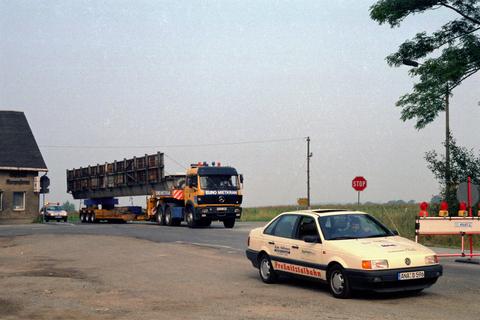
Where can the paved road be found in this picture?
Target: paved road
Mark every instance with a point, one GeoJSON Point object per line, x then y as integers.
{"type": "Point", "coordinates": [215, 236]}
{"type": "Point", "coordinates": [459, 279]}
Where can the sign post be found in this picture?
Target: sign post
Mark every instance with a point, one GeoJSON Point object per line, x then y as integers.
{"type": "Point", "coordinates": [359, 183]}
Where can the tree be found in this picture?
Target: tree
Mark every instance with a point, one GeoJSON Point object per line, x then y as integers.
{"type": "Point", "coordinates": [68, 206]}
{"type": "Point", "coordinates": [463, 164]}
{"type": "Point", "coordinates": [450, 55]}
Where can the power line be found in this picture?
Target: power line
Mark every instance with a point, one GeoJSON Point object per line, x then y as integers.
{"type": "Point", "coordinates": [173, 145]}
{"type": "Point", "coordinates": [175, 161]}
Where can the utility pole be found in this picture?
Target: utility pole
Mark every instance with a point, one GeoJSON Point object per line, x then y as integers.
{"type": "Point", "coordinates": [309, 155]}
{"type": "Point", "coordinates": [447, 143]}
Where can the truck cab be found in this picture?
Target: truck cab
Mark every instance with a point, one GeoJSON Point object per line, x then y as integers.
{"type": "Point", "coordinates": [212, 193]}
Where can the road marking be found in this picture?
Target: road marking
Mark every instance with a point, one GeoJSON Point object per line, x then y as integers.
{"type": "Point", "coordinates": [208, 245]}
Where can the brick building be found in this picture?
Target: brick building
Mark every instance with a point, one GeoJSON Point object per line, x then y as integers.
{"type": "Point", "coordinates": [20, 165]}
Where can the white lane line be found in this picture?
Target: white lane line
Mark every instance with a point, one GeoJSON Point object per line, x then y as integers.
{"type": "Point", "coordinates": [208, 245]}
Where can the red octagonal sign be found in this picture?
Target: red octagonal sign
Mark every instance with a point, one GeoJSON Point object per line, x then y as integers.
{"type": "Point", "coordinates": [359, 183]}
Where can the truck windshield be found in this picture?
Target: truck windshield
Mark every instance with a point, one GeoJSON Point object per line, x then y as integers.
{"type": "Point", "coordinates": [215, 182]}
{"type": "Point", "coordinates": [352, 226]}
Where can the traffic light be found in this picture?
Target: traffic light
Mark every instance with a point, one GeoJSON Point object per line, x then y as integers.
{"type": "Point", "coordinates": [44, 184]}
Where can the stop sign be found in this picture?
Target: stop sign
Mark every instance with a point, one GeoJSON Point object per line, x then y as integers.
{"type": "Point", "coordinates": [359, 183]}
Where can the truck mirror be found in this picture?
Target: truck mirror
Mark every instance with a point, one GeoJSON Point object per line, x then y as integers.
{"type": "Point", "coordinates": [241, 178]}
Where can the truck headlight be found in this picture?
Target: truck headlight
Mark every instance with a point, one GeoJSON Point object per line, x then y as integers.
{"type": "Point", "coordinates": [237, 210]}
{"type": "Point", "coordinates": [431, 259]}
{"type": "Point", "coordinates": [205, 210]}
{"type": "Point", "coordinates": [375, 264]}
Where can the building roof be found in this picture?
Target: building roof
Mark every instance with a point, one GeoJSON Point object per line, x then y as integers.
{"type": "Point", "coordinates": [18, 148]}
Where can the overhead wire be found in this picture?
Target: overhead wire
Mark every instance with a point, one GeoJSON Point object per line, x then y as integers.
{"type": "Point", "coordinates": [171, 146]}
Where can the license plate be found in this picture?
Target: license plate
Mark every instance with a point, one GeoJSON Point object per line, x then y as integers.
{"type": "Point", "coordinates": [411, 275]}
{"type": "Point", "coordinates": [221, 209]}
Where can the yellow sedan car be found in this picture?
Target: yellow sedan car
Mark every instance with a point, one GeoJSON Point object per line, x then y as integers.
{"type": "Point", "coordinates": [349, 250]}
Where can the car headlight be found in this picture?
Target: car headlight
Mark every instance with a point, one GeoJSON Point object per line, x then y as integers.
{"type": "Point", "coordinates": [375, 264]}
{"type": "Point", "coordinates": [431, 259]}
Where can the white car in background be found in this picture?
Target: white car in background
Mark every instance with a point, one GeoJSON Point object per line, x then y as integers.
{"type": "Point", "coordinates": [53, 211]}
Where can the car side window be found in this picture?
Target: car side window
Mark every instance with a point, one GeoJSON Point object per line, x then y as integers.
{"type": "Point", "coordinates": [307, 227]}
{"type": "Point", "coordinates": [285, 226]}
{"type": "Point", "coordinates": [271, 227]}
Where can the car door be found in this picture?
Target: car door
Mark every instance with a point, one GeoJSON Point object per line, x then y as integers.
{"type": "Point", "coordinates": [309, 253]}
{"type": "Point", "coordinates": [279, 237]}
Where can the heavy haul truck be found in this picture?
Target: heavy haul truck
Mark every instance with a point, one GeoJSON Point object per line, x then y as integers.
{"type": "Point", "coordinates": [205, 193]}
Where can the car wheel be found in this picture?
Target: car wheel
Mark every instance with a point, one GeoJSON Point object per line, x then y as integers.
{"type": "Point", "coordinates": [338, 282]}
{"type": "Point", "coordinates": [229, 223]}
{"type": "Point", "coordinates": [46, 219]}
{"type": "Point", "coordinates": [168, 217]}
{"type": "Point", "coordinates": [190, 219]}
{"type": "Point", "coordinates": [265, 269]}
{"type": "Point", "coordinates": [65, 219]}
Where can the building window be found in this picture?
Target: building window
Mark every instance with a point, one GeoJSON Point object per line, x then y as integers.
{"type": "Point", "coordinates": [19, 201]}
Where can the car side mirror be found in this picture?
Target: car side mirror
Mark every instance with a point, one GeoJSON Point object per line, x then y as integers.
{"type": "Point", "coordinates": [395, 232]}
{"type": "Point", "coordinates": [311, 239]}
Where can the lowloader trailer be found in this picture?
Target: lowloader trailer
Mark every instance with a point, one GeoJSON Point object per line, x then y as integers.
{"type": "Point", "coordinates": [203, 194]}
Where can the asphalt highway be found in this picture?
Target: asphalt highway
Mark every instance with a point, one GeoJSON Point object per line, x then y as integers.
{"type": "Point", "coordinates": [459, 279]}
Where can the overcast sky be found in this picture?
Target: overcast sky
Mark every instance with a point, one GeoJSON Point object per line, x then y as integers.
{"type": "Point", "coordinates": [161, 74]}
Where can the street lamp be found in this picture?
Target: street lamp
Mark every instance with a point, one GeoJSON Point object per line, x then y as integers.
{"type": "Point", "coordinates": [415, 64]}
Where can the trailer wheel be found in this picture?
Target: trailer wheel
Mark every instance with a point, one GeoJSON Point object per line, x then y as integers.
{"type": "Point", "coordinates": [229, 223]}
{"type": "Point", "coordinates": [190, 218]}
{"type": "Point", "coordinates": [168, 217]}
{"type": "Point", "coordinates": [160, 216]}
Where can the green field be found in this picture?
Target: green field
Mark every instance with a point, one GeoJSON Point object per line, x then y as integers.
{"type": "Point", "coordinates": [398, 217]}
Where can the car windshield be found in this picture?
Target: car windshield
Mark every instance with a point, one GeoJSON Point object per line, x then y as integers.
{"type": "Point", "coordinates": [54, 208]}
{"type": "Point", "coordinates": [352, 226]}
{"type": "Point", "coordinates": [225, 182]}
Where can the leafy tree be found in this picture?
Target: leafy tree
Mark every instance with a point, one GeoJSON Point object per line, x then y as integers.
{"type": "Point", "coordinates": [464, 163]}
{"type": "Point", "coordinates": [450, 54]}
{"type": "Point", "coordinates": [68, 206]}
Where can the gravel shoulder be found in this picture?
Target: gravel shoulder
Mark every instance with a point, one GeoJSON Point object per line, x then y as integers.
{"type": "Point", "coordinates": [110, 277]}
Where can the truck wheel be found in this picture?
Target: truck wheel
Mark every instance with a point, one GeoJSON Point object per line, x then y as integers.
{"type": "Point", "coordinates": [190, 219]}
{"type": "Point", "coordinates": [229, 223]}
{"type": "Point", "coordinates": [160, 216]}
{"type": "Point", "coordinates": [265, 269]}
{"type": "Point", "coordinates": [168, 217]}
{"type": "Point", "coordinates": [207, 222]}
{"type": "Point", "coordinates": [338, 282]}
